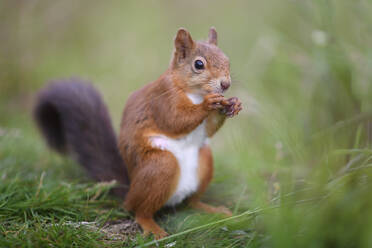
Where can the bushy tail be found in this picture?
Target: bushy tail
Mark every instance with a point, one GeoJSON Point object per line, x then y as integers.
{"type": "Point", "coordinates": [74, 121]}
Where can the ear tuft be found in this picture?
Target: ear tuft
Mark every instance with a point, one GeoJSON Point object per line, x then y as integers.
{"type": "Point", "coordinates": [212, 36]}
{"type": "Point", "coordinates": [183, 43]}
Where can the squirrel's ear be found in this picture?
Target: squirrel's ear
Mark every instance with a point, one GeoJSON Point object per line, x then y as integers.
{"type": "Point", "coordinates": [212, 36]}
{"type": "Point", "coordinates": [183, 43]}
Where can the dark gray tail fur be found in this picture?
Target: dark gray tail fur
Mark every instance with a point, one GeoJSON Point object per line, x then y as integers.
{"type": "Point", "coordinates": [74, 120]}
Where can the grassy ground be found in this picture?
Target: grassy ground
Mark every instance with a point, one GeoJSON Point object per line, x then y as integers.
{"type": "Point", "coordinates": [294, 166]}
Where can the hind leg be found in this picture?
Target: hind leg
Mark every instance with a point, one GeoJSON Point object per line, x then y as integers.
{"type": "Point", "coordinates": [150, 189]}
{"type": "Point", "coordinates": [205, 173]}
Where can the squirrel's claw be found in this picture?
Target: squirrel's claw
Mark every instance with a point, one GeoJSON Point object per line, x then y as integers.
{"type": "Point", "coordinates": [232, 107]}
{"type": "Point", "coordinates": [213, 101]}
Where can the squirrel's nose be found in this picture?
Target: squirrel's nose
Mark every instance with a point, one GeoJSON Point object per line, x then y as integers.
{"type": "Point", "coordinates": [225, 85]}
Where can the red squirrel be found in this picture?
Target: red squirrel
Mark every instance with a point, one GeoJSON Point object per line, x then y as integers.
{"type": "Point", "coordinates": [162, 156]}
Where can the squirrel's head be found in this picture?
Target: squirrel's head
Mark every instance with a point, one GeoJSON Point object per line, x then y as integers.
{"type": "Point", "coordinates": [200, 67]}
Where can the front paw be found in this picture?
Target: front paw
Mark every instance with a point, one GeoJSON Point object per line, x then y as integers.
{"type": "Point", "coordinates": [232, 107]}
{"type": "Point", "coordinates": [213, 102]}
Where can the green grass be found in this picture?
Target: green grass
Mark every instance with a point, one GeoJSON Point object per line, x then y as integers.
{"type": "Point", "coordinates": [37, 202]}
{"type": "Point", "coordinates": [294, 166]}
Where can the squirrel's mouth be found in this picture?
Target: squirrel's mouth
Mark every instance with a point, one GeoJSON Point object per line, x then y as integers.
{"type": "Point", "coordinates": [215, 88]}
{"type": "Point", "coordinates": [217, 91]}
{"type": "Point", "coordinates": [220, 88]}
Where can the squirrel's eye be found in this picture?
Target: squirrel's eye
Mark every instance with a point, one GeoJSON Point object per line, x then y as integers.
{"type": "Point", "coordinates": [199, 64]}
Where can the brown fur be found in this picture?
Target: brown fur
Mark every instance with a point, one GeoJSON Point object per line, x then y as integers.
{"type": "Point", "coordinates": [205, 173]}
{"type": "Point", "coordinates": [162, 107]}
{"type": "Point", "coordinates": [214, 121]}
{"type": "Point", "coordinates": [79, 124]}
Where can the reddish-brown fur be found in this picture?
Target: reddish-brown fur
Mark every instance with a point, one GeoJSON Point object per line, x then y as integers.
{"type": "Point", "coordinates": [162, 107]}
{"type": "Point", "coordinates": [74, 120]}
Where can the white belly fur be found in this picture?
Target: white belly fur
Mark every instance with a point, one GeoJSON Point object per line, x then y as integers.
{"type": "Point", "coordinates": [186, 151]}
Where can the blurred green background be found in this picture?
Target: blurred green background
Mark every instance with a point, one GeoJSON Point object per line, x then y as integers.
{"type": "Point", "coordinates": [303, 70]}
